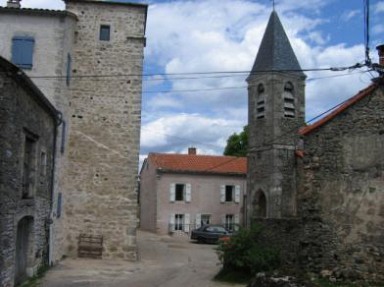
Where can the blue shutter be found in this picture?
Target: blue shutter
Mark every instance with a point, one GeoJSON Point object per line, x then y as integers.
{"type": "Point", "coordinates": [22, 51]}
{"type": "Point", "coordinates": [69, 67]}
{"type": "Point", "coordinates": [59, 202]}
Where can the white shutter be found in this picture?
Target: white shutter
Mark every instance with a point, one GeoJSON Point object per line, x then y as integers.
{"type": "Point", "coordinates": [222, 193]}
{"type": "Point", "coordinates": [198, 220]}
{"type": "Point", "coordinates": [187, 221]}
{"type": "Point", "coordinates": [188, 190]}
{"type": "Point", "coordinates": [237, 193]}
{"type": "Point", "coordinates": [172, 192]}
{"type": "Point", "coordinates": [172, 222]}
{"type": "Point", "coordinates": [237, 222]}
{"type": "Point", "coordinates": [223, 220]}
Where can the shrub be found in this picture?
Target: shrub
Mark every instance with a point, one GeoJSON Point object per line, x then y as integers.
{"type": "Point", "coordinates": [243, 253]}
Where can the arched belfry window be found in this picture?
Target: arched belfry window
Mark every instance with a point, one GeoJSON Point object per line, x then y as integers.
{"type": "Point", "coordinates": [289, 100]}
{"type": "Point", "coordinates": [260, 102]}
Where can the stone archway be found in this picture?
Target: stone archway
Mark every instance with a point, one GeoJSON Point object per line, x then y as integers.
{"type": "Point", "coordinates": [260, 204]}
{"type": "Point", "coordinates": [24, 248]}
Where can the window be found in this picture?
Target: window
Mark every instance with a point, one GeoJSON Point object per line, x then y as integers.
{"type": "Point", "coordinates": [179, 195]}
{"type": "Point", "coordinates": [180, 192]}
{"type": "Point", "coordinates": [289, 100]}
{"type": "Point", "coordinates": [22, 52]}
{"type": "Point", "coordinates": [105, 33]}
{"type": "Point", "coordinates": [260, 102]}
{"type": "Point", "coordinates": [230, 193]}
{"type": "Point", "coordinates": [179, 221]}
{"type": "Point", "coordinates": [205, 219]}
{"type": "Point", "coordinates": [229, 221]}
{"type": "Point", "coordinates": [28, 168]}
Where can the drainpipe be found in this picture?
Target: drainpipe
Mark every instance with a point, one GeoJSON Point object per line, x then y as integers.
{"type": "Point", "coordinates": [58, 122]}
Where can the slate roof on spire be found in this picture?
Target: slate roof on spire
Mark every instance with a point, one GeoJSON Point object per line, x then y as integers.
{"type": "Point", "coordinates": [275, 52]}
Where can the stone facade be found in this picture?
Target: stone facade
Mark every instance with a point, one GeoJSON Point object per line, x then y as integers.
{"type": "Point", "coordinates": [53, 33]}
{"type": "Point", "coordinates": [27, 140]}
{"type": "Point", "coordinates": [316, 191]}
{"type": "Point", "coordinates": [96, 86]}
{"type": "Point", "coordinates": [103, 153]}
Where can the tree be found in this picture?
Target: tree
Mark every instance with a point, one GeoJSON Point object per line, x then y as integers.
{"type": "Point", "coordinates": [237, 144]}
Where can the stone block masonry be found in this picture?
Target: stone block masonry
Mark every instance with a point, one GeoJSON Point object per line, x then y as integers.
{"type": "Point", "coordinates": [105, 126]}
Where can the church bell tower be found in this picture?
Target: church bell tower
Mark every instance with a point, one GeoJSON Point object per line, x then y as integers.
{"type": "Point", "coordinates": [276, 106]}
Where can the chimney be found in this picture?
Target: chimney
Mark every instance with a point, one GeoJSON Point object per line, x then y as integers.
{"type": "Point", "coordinates": [380, 49]}
{"type": "Point", "coordinates": [13, 4]}
{"type": "Point", "coordinates": [192, 151]}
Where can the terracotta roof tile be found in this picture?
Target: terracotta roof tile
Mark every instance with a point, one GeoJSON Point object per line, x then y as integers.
{"type": "Point", "coordinates": [199, 163]}
{"type": "Point", "coordinates": [362, 94]}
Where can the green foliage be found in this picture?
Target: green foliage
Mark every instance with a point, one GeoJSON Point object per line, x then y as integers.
{"type": "Point", "coordinates": [237, 144]}
{"type": "Point", "coordinates": [243, 254]}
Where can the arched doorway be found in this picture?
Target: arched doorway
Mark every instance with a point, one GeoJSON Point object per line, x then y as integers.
{"type": "Point", "coordinates": [260, 204]}
{"type": "Point", "coordinates": [24, 248]}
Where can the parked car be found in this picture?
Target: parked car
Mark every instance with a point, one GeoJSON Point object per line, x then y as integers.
{"type": "Point", "coordinates": [210, 233]}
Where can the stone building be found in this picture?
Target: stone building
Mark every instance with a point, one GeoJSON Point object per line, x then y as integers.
{"type": "Point", "coordinates": [180, 192]}
{"type": "Point", "coordinates": [28, 124]}
{"type": "Point", "coordinates": [317, 189]}
{"type": "Point", "coordinates": [87, 61]}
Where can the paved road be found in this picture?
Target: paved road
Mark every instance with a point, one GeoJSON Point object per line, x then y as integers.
{"type": "Point", "coordinates": [164, 262]}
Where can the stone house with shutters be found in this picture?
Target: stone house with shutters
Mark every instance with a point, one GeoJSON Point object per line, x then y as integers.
{"type": "Point", "coordinates": [317, 189]}
{"type": "Point", "coordinates": [180, 192]}
{"type": "Point", "coordinates": [97, 147]}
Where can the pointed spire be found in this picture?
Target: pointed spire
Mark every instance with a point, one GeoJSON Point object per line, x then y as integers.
{"type": "Point", "coordinates": [275, 52]}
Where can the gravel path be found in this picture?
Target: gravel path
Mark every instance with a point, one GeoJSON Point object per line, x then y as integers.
{"type": "Point", "coordinates": [164, 262]}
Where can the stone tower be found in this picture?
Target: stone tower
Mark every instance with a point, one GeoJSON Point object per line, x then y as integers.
{"type": "Point", "coordinates": [105, 112]}
{"type": "Point", "coordinates": [276, 111]}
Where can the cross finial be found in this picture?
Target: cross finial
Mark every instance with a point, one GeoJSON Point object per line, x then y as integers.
{"type": "Point", "coordinates": [273, 4]}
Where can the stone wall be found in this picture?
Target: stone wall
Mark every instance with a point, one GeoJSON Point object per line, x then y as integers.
{"type": "Point", "coordinates": [24, 117]}
{"type": "Point", "coordinates": [105, 126]}
{"type": "Point", "coordinates": [53, 32]}
{"type": "Point", "coordinates": [342, 182]}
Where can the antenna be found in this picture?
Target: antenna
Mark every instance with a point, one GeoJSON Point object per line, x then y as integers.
{"type": "Point", "coordinates": [368, 61]}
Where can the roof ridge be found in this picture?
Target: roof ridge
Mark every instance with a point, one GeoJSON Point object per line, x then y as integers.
{"type": "Point", "coordinates": [351, 101]}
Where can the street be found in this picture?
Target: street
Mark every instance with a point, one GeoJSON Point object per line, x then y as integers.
{"type": "Point", "coordinates": [164, 262]}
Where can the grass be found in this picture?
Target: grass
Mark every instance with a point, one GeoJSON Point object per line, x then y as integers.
{"type": "Point", "coordinates": [35, 280]}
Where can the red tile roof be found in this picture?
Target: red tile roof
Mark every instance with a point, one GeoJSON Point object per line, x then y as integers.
{"type": "Point", "coordinates": [362, 94]}
{"type": "Point", "coordinates": [199, 163]}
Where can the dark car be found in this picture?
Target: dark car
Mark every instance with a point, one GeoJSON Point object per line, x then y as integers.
{"type": "Point", "coordinates": [209, 233]}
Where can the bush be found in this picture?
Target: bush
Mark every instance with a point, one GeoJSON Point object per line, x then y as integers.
{"type": "Point", "coordinates": [243, 253]}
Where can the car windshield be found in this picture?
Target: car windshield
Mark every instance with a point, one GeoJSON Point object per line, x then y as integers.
{"type": "Point", "coordinates": [216, 229]}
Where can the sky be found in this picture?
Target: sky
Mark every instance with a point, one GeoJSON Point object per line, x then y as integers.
{"type": "Point", "coordinates": [199, 54]}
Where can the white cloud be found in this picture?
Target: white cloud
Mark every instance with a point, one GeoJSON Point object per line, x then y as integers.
{"type": "Point", "coordinates": [45, 4]}
{"type": "Point", "coordinates": [178, 132]}
{"type": "Point", "coordinates": [348, 15]}
{"type": "Point", "coordinates": [379, 8]}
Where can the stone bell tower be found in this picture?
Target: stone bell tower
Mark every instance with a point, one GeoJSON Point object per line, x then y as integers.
{"type": "Point", "coordinates": [276, 110]}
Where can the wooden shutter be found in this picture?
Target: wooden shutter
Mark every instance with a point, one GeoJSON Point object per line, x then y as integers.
{"type": "Point", "coordinates": [187, 222]}
{"type": "Point", "coordinates": [188, 190]}
{"type": "Point", "coordinates": [198, 220]}
{"type": "Point", "coordinates": [172, 192]}
{"type": "Point", "coordinates": [172, 222]}
{"type": "Point", "coordinates": [237, 193]}
{"type": "Point", "coordinates": [222, 193]}
{"type": "Point", "coordinates": [22, 51]}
